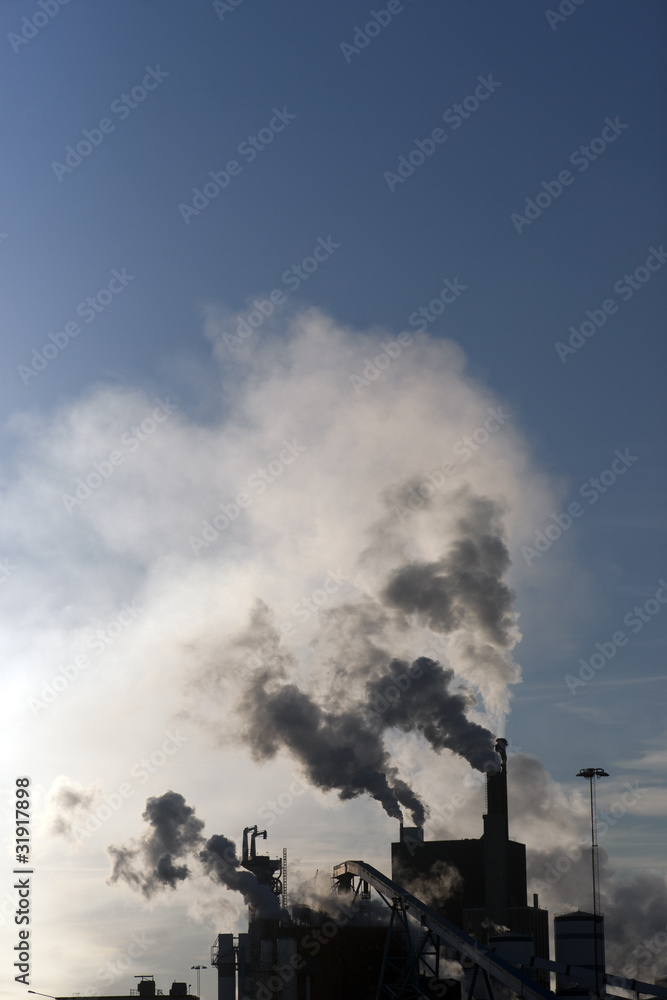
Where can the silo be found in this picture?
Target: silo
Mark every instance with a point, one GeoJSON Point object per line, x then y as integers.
{"type": "Point", "coordinates": [576, 935]}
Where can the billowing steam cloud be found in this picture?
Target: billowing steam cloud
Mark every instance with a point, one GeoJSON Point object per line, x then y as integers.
{"type": "Point", "coordinates": [351, 497]}
{"type": "Point", "coordinates": [148, 865]}
{"type": "Point", "coordinates": [68, 806]}
{"type": "Point", "coordinates": [465, 594]}
{"type": "Point", "coordinates": [338, 737]}
{"type": "Point", "coordinates": [465, 588]}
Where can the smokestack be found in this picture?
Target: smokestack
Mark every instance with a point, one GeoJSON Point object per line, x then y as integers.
{"type": "Point", "coordinates": [496, 837]}
{"type": "Point", "coordinates": [412, 835]}
{"type": "Point", "coordinates": [496, 790]}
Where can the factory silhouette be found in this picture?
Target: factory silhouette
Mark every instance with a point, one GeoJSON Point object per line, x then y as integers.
{"type": "Point", "coordinates": [453, 921]}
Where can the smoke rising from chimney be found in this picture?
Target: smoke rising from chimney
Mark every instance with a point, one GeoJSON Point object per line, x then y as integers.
{"type": "Point", "coordinates": [337, 735]}
{"type": "Point", "coordinates": [221, 863]}
{"type": "Point", "coordinates": [428, 707]}
{"type": "Point", "coordinates": [147, 865]}
{"type": "Point", "coordinates": [337, 750]}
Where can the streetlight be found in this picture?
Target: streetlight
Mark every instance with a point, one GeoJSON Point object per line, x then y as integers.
{"type": "Point", "coordinates": [593, 773]}
{"type": "Point", "coordinates": [198, 968]}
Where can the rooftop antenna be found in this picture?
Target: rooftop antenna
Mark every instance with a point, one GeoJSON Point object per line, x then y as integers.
{"type": "Point", "coordinates": [284, 875]}
{"type": "Point", "coordinates": [594, 773]}
{"type": "Point", "coordinates": [198, 968]}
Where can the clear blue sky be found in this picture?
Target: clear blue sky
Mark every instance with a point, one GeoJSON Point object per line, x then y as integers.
{"type": "Point", "coordinates": [344, 120]}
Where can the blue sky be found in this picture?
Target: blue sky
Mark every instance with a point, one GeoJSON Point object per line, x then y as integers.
{"type": "Point", "coordinates": [325, 176]}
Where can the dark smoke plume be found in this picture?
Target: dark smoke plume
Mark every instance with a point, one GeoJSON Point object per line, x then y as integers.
{"type": "Point", "coordinates": [148, 865]}
{"type": "Point", "coordinates": [427, 706]}
{"type": "Point", "coordinates": [465, 588]}
{"type": "Point", "coordinates": [338, 750]}
{"type": "Point", "coordinates": [221, 863]}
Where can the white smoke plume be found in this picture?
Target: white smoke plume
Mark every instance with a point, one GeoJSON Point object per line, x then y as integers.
{"type": "Point", "coordinates": [68, 805]}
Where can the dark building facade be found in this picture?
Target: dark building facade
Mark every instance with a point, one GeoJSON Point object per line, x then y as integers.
{"type": "Point", "coordinates": [146, 988]}
{"type": "Point", "coordinates": [489, 899]}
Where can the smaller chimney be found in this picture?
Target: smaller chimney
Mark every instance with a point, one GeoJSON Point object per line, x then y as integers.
{"type": "Point", "coordinates": [412, 834]}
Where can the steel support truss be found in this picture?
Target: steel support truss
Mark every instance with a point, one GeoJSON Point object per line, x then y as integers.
{"type": "Point", "coordinates": [398, 980]}
{"type": "Point", "coordinates": [409, 951]}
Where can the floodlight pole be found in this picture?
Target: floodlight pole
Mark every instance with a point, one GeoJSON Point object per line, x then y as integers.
{"type": "Point", "coordinates": [592, 773]}
{"type": "Point", "coordinates": [198, 968]}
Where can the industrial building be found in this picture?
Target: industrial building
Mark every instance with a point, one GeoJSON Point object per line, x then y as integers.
{"type": "Point", "coordinates": [476, 926]}
{"type": "Point", "coordinates": [490, 900]}
{"type": "Point", "coordinates": [146, 988]}
{"type": "Point", "coordinates": [481, 921]}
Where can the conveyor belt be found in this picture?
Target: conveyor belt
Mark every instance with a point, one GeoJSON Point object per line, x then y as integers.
{"type": "Point", "coordinates": [510, 975]}
{"type": "Point", "coordinates": [585, 975]}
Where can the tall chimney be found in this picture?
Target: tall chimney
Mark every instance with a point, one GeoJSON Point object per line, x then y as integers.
{"type": "Point", "coordinates": [496, 837]}
{"type": "Point", "coordinates": [496, 789]}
